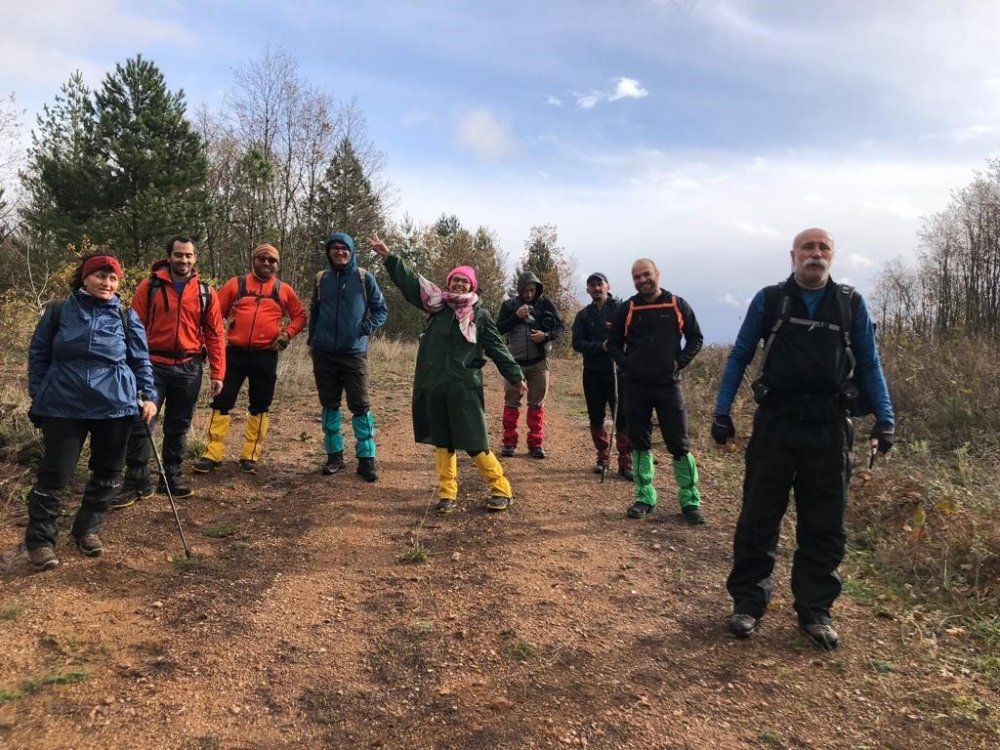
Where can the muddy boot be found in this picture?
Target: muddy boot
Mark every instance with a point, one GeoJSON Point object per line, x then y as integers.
{"type": "Point", "coordinates": [334, 463]}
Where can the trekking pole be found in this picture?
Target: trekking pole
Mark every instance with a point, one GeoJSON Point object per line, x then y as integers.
{"type": "Point", "coordinates": [614, 420]}
{"type": "Point", "coordinates": [166, 485]}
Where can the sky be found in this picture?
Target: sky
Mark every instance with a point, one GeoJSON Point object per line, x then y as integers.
{"type": "Point", "coordinates": [701, 134]}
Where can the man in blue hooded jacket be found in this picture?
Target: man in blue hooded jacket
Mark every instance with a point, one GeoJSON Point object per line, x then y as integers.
{"type": "Point", "coordinates": [347, 307]}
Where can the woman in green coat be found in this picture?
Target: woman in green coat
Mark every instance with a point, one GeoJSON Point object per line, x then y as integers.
{"type": "Point", "coordinates": [448, 383]}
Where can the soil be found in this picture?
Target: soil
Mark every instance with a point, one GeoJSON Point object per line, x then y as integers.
{"type": "Point", "coordinates": [297, 623]}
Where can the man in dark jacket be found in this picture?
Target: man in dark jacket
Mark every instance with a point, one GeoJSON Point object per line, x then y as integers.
{"type": "Point", "coordinates": [347, 307]}
{"type": "Point", "coordinates": [590, 331]}
{"type": "Point", "coordinates": [531, 323]}
{"type": "Point", "coordinates": [645, 342]}
{"type": "Point", "coordinates": [802, 436]}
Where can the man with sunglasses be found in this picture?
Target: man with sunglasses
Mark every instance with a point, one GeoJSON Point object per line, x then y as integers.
{"type": "Point", "coordinates": [264, 314]}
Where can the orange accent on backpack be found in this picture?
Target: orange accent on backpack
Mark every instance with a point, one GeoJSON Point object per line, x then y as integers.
{"type": "Point", "coordinates": [661, 306]}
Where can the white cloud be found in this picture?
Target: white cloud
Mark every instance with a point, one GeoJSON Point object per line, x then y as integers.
{"type": "Point", "coordinates": [624, 88]}
{"type": "Point", "coordinates": [483, 134]}
{"type": "Point", "coordinates": [46, 40]}
{"type": "Point", "coordinates": [553, 101]}
{"type": "Point", "coordinates": [859, 262]}
{"type": "Point", "coordinates": [730, 300]}
{"type": "Point", "coordinates": [971, 133]}
{"type": "Point", "coordinates": [750, 229]}
{"type": "Point", "coordinates": [733, 232]}
{"type": "Point", "coordinates": [628, 88]}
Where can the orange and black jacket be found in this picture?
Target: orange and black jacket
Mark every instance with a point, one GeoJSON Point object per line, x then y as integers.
{"type": "Point", "coordinates": [180, 326]}
{"type": "Point", "coordinates": [257, 319]}
{"type": "Point", "coordinates": [645, 338]}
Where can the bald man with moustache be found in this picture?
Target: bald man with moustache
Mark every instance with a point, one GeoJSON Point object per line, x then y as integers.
{"type": "Point", "coordinates": [653, 337]}
{"type": "Point", "coordinates": [802, 433]}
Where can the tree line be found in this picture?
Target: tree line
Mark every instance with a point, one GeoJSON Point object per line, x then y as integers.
{"type": "Point", "coordinates": [953, 289]}
{"type": "Point", "coordinates": [281, 162]}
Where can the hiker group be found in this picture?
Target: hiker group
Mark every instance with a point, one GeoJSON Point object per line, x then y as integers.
{"type": "Point", "coordinates": [99, 370]}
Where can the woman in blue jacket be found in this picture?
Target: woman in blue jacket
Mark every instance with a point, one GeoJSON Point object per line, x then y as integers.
{"type": "Point", "coordinates": [88, 374]}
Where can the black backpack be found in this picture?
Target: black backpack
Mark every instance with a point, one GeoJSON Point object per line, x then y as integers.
{"type": "Point", "coordinates": [57, 307]}
{"type": "Point", "coordinates": [204, 296]}
{"type": "Point", "coordinates": [777, 306]}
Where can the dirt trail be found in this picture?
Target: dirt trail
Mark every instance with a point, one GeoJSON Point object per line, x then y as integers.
{"type": "Point", "coordinates": [558, 624]}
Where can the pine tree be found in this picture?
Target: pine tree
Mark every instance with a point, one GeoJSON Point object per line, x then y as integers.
{"type": "Point", "coordinates": [154, 169]}
{"type": "Point", "coordinates": [347, 201]}
{"type": "Point", "coordinates": [121, 166]}
{"type": "Point", "coordinates": [61, 178]}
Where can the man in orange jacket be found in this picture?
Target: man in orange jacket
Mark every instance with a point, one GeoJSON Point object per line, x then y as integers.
{"type": "Point", "coordinates": [183, 324]}
{"type": "Point", "coordinates": [264, 315]}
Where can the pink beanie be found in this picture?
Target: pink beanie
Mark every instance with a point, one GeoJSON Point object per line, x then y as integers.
{"type": "Point", "coordinates": [467, 271]}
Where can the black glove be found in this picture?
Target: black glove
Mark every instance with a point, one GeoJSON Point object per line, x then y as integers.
{"type": "Point", "coordinates": [723, 429]}
{"type": "Point", "coordinates": [885, 433]}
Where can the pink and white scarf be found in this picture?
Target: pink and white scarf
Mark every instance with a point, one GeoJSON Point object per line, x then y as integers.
{"type": "Point", "coordinates": [434, 299]}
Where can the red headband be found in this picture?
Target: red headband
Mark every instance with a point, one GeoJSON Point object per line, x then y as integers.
{"type": "Point", "coordinates": [97, 262]}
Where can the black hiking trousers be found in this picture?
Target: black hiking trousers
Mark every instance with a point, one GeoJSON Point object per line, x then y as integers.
{"type": "Point", "coordinates": [641, 400]}
{"type": "Point", "coordinates": [260, 367]}
{"type": "Point", "coordinates": [177, 390]}
{"type": "Point", "coordinates": [599, 393]}
{"type": "Point", "coordinates": [813, 458]}
{"type": "Point", "coordinates": [63, 441]}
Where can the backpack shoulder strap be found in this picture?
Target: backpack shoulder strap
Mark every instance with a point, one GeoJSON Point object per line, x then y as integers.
{"type": "Point", "coordinates": [777, 309]}
{"type": "Point", "coordinates": [318, 282]}
{"type": "Point", "coordinates": [123, 313]}
{"type": "Point", "coordinates": [845, 299]}
{"type": "Point", "coordinates": [241, 287]}
{"type": "Point", "coordinates": [56, 307]}
{"type": "Point", "coordinates": [363, 277]}
{"type": "Point", "coordinates": [276, 292]}
{"type": "Point", "coordinates": [204, 298]}
{"type": "Point", "coordinates": [155, 282]}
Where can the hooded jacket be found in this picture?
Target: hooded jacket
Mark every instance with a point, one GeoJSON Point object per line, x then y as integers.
{"type": "Point", "coordinates": [543, 317]}
{"type": "Point", "coordinates": [90, 366]}
{"type": "Point", "coordinates": [177, 328]}
{"type": "Point", "coordinates": [257, 318]}
{"type": "Point", "coordinates": [347, 305]}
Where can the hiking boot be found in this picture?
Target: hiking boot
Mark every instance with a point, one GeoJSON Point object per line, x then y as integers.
{"type": "Point", "coordinates": [366, 469]}
{"type": "Point", "coordinates": [821, 634]}
{"type": "Point", "coordinates": [334, 463]}
{"type": "Point", "coordinates": [639, 510]}
{"type": "Point", "coordinates": [177, 491]}
{"type": "Point", "coordinates": [90, 545]}
{"type": "Point", "coordinates": [248, 465]}
{"type": "Point", "coordinates": [601, 468]}
{"type": "Point", "coordinates": [499, 503]}
{"type": "Point", "coordinates": [743, 625]}
{"type": "Point", "coordinates": [536, 452]}
{"type": "Point", "coordinates": [444, 506]}
{"type": "Point", "coordinates": [129, 493]}
{"type": "Point", "coordinates": [692, 514]}
{"type": "Point", "coordinates": [626, 474]}
{"type": "Point", "coordinates": [205, 465]}
{"type": "Point", "coordinates": [43, 558]}
{"type": "Point", "coordinates": [507, 451]}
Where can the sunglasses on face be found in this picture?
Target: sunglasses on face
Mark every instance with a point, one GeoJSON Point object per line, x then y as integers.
{"type": "Point", "coordinates": [266, 259]}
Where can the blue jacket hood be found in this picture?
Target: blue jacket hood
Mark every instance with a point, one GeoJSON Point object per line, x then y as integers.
{"type": "Point", "coordinates": [347, 240]}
